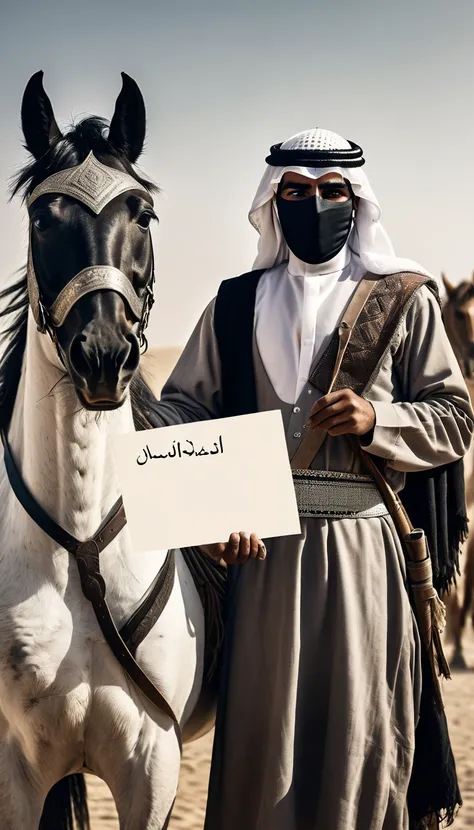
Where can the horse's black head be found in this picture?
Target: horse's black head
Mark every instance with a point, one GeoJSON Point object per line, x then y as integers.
{"type": "Point", "coordinates": [98, 339]}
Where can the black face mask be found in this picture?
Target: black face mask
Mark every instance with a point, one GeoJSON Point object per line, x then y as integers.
{"type": "Point", "coordinates": [315, 229]}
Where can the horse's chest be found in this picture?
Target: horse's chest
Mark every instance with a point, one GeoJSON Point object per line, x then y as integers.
{"type": "Point", "coordinates": [45, 646]}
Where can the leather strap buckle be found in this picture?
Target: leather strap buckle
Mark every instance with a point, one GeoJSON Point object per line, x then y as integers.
{"type": "Point", "coordinates": [92, 582]}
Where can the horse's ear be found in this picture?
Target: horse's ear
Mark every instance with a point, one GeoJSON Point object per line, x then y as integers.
{"type": "Point", "coordinates": [37, 118]}
{"type": "Point", "coordinates": [450, 288]}
{"type": "Point", "coordinates": [128, 125]}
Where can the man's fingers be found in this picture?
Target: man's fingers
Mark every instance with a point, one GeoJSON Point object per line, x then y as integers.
{"type": "Point", "coordinates": [318, 418]}
{"type": "Point", "coordinates": [255, 544]}
{"type": "Point", "coordinates": [330, 423]}
{"type": "Point", "coordinates": [244, 547]}
{"type": "Point", "coordinates": [328, 400]}
{"type": "Point", "coordinates": [262, 551]}
{"type": "Point", "coordinates": [239, 549]}
{"type": "Point", "coordinates": [342, 412]}
{"type": "Point", "coordinates": [234, 541]}
{"type": "Point", "coordinates": [250, 547]}
{"type": "Point", "coordinates": [344, 428]}
{"type": "Point", "coordinates": [232, 549]}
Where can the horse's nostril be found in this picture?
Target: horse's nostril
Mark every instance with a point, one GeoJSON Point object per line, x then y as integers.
{"type": "Point", "coordinates": [78, 356]}
{"type": "Point", "coordinates": [133, 357]}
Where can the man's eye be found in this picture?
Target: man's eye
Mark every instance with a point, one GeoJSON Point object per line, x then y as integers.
{"type": "Point", "coordinates": [297, 194]}
{"type": "Point", "coordinates": [334, 193]}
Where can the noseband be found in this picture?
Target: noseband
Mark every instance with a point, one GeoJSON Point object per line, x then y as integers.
{"type": "Point", "coordinates": [95, 185]}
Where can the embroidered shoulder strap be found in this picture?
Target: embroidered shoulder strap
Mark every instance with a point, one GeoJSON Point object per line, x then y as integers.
{"type": "Point", "coordinates": [359, 345]}
{"type": "Point", "coordinates": [372, 335]}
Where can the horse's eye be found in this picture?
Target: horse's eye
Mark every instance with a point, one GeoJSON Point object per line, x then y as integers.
{"type": "Point", "coordinates": [144, 220]}
{"type": "Point", "coordinates": [41, 222]}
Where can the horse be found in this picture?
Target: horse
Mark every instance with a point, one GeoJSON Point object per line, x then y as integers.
{"type": "Point", "coordinates": [70, 378]}
{"type": "Point", "coordinates": [458, 317]}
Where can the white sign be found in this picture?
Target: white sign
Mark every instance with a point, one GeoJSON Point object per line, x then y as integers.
{"type": "Point", "coordinates": [195, 484]}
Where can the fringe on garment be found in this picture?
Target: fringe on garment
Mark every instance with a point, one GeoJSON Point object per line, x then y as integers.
{"type": "Point", "coordinates": [210, 580]}
{"type": "Point", "coordinates": [436, 501]}
{"type": "Point", "coordinates": [433, 792]}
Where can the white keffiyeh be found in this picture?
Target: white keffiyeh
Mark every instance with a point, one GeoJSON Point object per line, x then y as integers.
{"type": "Point", "coordinates": [298, 306]}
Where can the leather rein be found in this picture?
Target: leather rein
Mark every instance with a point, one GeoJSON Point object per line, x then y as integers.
{"type": "Point", "coordinates": [87, 556]}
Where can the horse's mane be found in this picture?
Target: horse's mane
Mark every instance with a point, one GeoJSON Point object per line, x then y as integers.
{"type": "Point", "coordinates": [13, 317]}
{"type": "Point", "coordinates": [73, 148]}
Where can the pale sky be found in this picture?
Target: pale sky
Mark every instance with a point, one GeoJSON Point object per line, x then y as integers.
{"type": "Point", "coordinates": [222, 81]}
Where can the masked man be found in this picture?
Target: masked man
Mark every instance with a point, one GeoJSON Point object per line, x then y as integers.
{"type": "Point", "coordinates": [321, 685]}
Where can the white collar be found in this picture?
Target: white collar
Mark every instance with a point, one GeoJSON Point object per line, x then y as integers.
{"type": "Point", "coordinates": [297, 268]}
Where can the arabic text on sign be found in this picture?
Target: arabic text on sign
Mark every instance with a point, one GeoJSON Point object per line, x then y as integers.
{"type": "Point", "coordinates": [179, 450]}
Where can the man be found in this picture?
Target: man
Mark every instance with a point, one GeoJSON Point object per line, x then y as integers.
{"type": "Point", "coordinates": [322, 673]}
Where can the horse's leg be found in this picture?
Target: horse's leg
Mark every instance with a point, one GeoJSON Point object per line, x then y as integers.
{"type": "Point", "coordinates": [457, 613]}
{"type": "Point", "coordinates": [454, 629]}
{"type": "Point", "coordinates": [144, 785]}
{"type": "Point", "coordinates": [468, 582]}
{"type": "Point", "coordinates": [21, 793]}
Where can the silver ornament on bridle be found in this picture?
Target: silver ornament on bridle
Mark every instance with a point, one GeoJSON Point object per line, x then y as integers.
{"type": "Point", "coordinates": [95, 185]}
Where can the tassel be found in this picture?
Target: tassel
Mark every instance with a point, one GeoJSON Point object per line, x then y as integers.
{"type": "Point", "coordinates": [443, 665]}
{"type": "Point", "coordinates": [430, 610]}
{"type": "Point", "coordinates": [438, 615]}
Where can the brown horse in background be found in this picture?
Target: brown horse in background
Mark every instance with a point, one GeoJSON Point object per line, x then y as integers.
{"type": "Point", "coordinates": [458, 316]}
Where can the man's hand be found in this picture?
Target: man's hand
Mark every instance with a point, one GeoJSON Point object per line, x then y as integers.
{"type": "Point", "coordinates": [239, 549]}
{"type": "Point", "coordinates": [342, 413]}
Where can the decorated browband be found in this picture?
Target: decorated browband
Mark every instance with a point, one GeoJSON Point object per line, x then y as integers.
{"type": "Point", "coordinates": [95, 185]}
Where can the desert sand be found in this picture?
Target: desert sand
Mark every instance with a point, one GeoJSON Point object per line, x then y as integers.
{"type": "Point", "coordinates": [156, 366]}
{"type": "Point", "coordinates": [190, 804]}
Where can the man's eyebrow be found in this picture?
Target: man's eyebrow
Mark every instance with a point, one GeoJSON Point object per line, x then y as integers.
{"type": "Point", "coordinates": [334, 183]}
{"type": "Point", "coordinates": [295, 185]}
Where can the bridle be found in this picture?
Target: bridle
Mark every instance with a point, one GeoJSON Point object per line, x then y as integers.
{"type": "Point", "coordinates": [95, 185]}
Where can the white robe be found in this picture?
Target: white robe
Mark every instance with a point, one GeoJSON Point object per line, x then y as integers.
{"type": "Point", "coordinates": [298, 307]}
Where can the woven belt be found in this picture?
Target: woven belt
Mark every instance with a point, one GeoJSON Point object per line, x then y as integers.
{"type": "Point", "coordinates": [321, 494]}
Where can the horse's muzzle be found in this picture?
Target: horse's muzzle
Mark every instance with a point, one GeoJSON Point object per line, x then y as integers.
{"type": "Point", "coordinates": [102, 368]}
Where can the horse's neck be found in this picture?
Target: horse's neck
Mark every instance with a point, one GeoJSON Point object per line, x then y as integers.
{"type": "Point", "coordinates": [64, 451]}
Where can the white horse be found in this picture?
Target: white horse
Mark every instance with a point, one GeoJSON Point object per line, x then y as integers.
{"type": "Point", "coordinates": [66, 704]}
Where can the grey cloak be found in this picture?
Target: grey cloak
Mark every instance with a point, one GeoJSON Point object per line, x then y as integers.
{"type": "Point", "coordinates": [322, 681]}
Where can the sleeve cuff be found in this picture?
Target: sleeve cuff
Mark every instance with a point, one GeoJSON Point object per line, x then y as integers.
{"type": "Point", "coordinates": [381, 440]}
